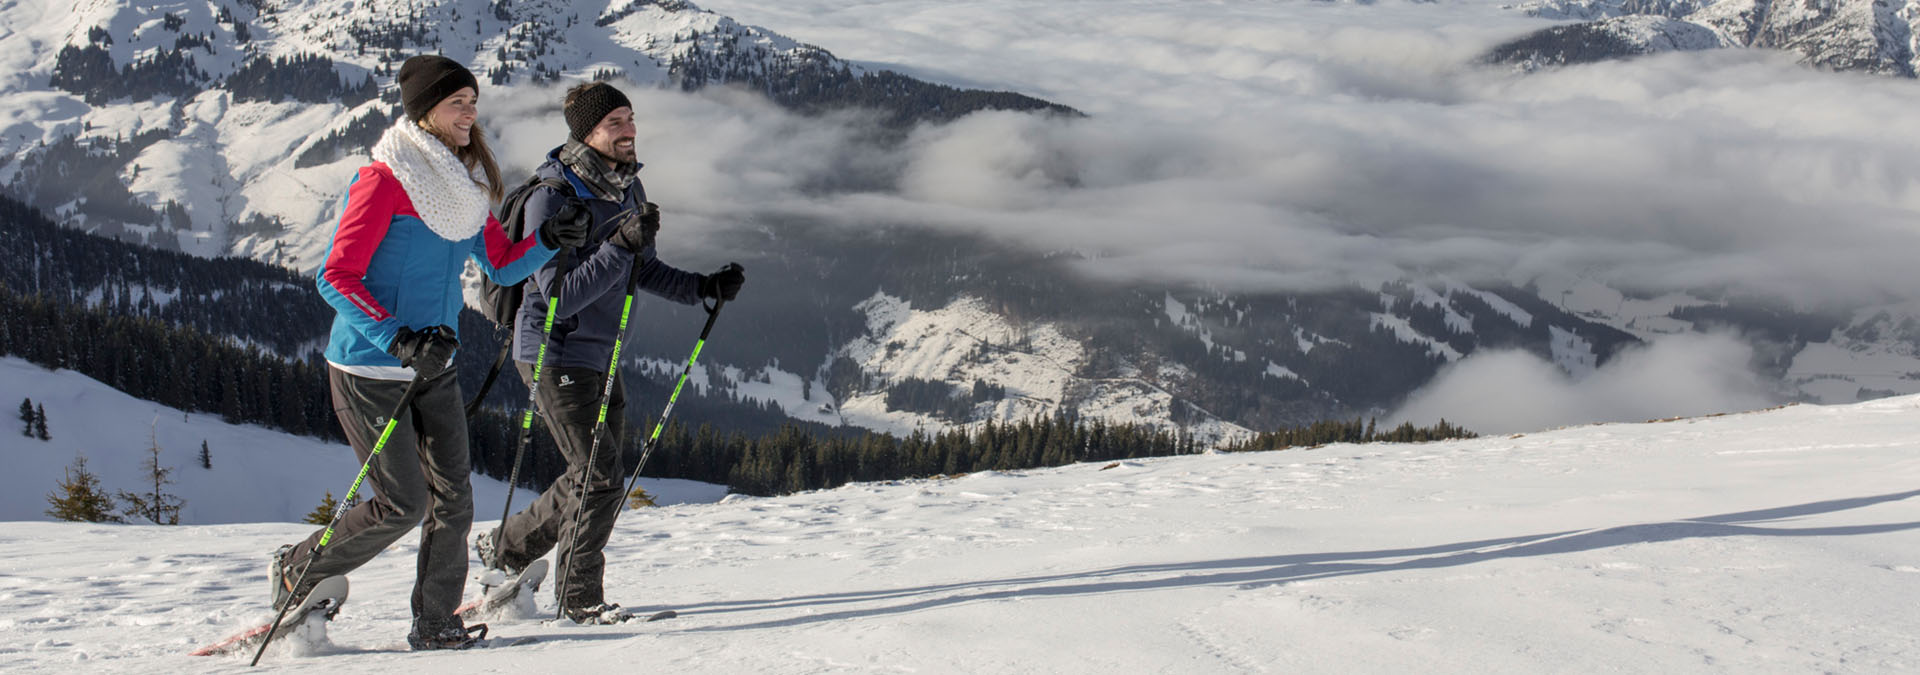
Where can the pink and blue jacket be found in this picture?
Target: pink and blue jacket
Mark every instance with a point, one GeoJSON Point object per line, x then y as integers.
{"type": "Point", "coordinates": [385, 269]}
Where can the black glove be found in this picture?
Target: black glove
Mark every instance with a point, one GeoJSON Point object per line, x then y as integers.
{"type": "Point", "coordinates": [724, 283]}
{"type": "Point", "coordinates": [637, 230]}
{"type": "Point", "coordinates": [568, 226]}
{"type": "Point", "coordinates": [428, 352]}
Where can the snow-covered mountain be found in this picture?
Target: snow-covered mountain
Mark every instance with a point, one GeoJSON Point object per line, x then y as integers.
{"type": "Point", "coordinates": [1766, 542]}
{"type": "Point", "coordinates": [232, 124]}
{"type": "Point", "coordinates": [223, 130]}
{"type": "Point", "coordinates": [1873, 36]}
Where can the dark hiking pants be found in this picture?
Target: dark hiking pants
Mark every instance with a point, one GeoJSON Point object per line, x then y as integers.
{"type": "Point", "coordinates": [421, 477]}
{"type": "Point", "coordinates": [569, 401]}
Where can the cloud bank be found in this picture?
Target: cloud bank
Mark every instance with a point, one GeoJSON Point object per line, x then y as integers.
{"type": "Point", "coordinates": [1512, 391]}
{"type": "Point", "coordinates": [1302, 146]}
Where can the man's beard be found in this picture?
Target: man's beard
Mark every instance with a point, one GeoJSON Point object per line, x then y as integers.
{"type": "Point", "coordinates": [620, 154]}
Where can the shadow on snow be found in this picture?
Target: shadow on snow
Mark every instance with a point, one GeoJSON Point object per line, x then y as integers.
{"type": "Point", "coordinates": [1272, 570]}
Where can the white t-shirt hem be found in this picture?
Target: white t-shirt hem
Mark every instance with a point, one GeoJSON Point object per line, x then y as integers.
{"type": "Point", "coordinates": [397, 373]}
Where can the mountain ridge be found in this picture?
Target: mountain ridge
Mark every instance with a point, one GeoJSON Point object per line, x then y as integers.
{"type": "Point", "coordinates": [1870, 36]}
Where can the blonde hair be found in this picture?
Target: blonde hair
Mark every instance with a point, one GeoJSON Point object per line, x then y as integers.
{"type": "Point", "coordinates": [475, 153]}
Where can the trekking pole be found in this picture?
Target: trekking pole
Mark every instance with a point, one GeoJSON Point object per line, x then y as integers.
{"type": "Point", "coordinates": [606, 394]}
{"type": "Point", "coordinates": [654, 440]}
{"type": "Point", "coordinates": [393, 421]}
{"type": "Point", "coordinates": [533, 392]}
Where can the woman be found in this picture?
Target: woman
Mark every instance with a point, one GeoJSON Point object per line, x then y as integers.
{"type": "Point", "coordinates": [409, 222]}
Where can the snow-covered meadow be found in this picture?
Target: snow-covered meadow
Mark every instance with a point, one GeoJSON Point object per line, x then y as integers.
{"type": "Point", "coordinates": [1779, 541]}
{"type": "Point", "coordinates": [257, 474]}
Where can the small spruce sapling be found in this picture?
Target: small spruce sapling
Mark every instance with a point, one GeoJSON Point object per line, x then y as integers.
{"type": "Point", "coordinates": [329, 507]}
{"type": "Point", "coordinates": [79, 497]}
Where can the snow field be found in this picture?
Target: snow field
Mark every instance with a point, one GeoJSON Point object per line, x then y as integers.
{"type": "Point", "coordinates": [1776, 541]}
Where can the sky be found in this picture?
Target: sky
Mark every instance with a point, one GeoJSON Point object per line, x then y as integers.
{"type": "Point", "coordinates": [1780, 541]}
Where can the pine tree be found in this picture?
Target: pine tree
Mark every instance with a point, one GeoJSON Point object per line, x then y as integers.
{"type": "Point", "coordinates": [639, 498]}
{"type": "Point", "coordinates": [40, 423]}
{"type": "Point", "coordinates": [79, 498]}
{"type": "Point", "coordinates": [323, 514]}
{"type": "Point", "coordinates": [206, 456]}
{"type": "Point", "coordinates": [26, 416]}
{"type": "Point", "coordinates": [157, 507]}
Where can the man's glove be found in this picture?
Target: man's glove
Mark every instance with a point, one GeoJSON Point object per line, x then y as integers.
{"type": "Point", "coordinates": [637, 230]}
{"type": "Point", "coordinates": [724, 283]}
{"type": "Point", "coordinates": [428, 352]}
{"type": "Point", "coordinates": [568, 226]}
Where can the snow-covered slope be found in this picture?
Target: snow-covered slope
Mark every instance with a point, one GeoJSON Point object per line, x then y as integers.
{"type": "Point", "coordinates": [1038, 367]}
{"type": "Point", "coordinates": [1875, 36]}
{"type": "Point", "coordinates": [1769, 542]}
{"type": "Point", "coordinates": [257, 474]}
{"type": "Point", "coordinates": [258, 171]}
{"type": "Point", "coordinates": [1877, 354]}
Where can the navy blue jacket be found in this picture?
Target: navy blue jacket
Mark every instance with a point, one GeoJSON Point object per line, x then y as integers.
{"type": "Point", "coordinates": [593, 286]}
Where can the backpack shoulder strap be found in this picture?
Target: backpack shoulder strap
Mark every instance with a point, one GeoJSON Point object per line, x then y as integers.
{"type": "Point", "coordinates": [513, 207]}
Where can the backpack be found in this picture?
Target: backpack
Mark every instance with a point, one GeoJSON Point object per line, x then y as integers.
{"type": "Point", "coordinates": [501, 304]}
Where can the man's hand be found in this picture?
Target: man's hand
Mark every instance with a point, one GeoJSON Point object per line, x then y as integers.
{"type": "Point", "coordinates": [568, 226]}
{"type": "Point", "coordinates": [724, 283]}
{"type": "Point", "coordinates": [637, 229]}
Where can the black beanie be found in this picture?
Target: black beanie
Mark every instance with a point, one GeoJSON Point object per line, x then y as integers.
{"type": "Point", "coordinates": [427, 79]}
{"type": "Point", "coordinates": [591, 104]}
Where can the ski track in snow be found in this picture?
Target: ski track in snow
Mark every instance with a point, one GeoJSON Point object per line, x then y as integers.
{"type": "Point", "coordinates": [1778, 541]}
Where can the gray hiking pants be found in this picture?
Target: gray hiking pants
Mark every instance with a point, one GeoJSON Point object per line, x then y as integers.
{"type": "Point", "coordinates": [421, 477]}
{"type": "Point", "coordinates": [569, 401]}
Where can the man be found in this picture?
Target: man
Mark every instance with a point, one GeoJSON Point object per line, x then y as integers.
{"type": "Point", "coordinates": [599, 165]}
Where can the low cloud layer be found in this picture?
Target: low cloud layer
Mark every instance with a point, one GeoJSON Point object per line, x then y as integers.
{"type": "Point", "coordinates": [1298, 146]}
{"type": "Point", "coordinates": [1303, 146]}
{"type": "Point", "coordinates": [1512, 391]}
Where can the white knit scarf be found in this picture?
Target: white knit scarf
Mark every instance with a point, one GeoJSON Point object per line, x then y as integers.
{"type": "Point", "coordinates": [447, 196]}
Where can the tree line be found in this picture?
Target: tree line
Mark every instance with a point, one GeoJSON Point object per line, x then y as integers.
{"type": "Point", "coordinates": [795, 459]}
{"type": "Point", "coordinates": [235, 338]}
{"type": "Point", "coordinates": [1355, 430]}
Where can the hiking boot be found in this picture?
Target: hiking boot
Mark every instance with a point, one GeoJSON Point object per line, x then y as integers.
{"type": "Point", "coordinates": [599, 615]}
{"type": "Point", "coordinates": [447, 633]}
{"type": "Point", "coordinates": [485, 547]}
{"type": "Point", "coordinates": [282, 575]}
